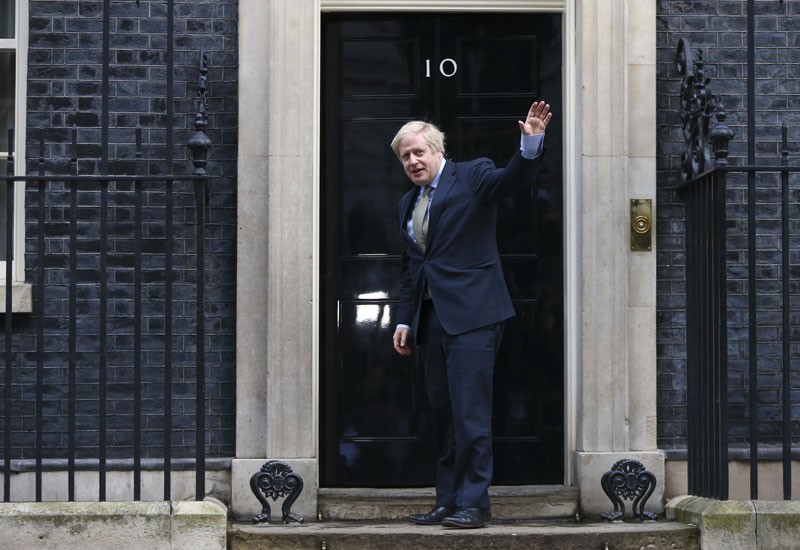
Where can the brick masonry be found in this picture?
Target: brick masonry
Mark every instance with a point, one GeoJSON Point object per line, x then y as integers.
{"type": "Point", "coordinates": [65, 89]}
{"type": "Point", "coordinates": [719, 28]}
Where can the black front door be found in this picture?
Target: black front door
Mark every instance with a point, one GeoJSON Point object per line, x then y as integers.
{"type": "Point", "coordinates": [474, 76]}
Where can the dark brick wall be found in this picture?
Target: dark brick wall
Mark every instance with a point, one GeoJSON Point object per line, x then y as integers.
{"type": "Point", "coordinates": [65, 89]}
{"type": "Point", "coordinates": [719, 28]}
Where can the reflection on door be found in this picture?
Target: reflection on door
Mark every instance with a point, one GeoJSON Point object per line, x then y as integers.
{"type": "Point", "coordinates": [474, 76]}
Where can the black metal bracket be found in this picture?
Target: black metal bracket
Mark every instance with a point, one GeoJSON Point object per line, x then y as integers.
{"type": "Point", "coordinates": [698, 107]}
{"type": "Point", "coordinates": [276, 479]}
{"type": "Point", "coordinates": [628, 479]}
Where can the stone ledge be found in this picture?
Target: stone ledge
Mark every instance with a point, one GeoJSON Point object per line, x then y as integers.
{"type": "Point", "coordinates": [21, 297]}
{"type": "Point", "coordinates": [184, 525]}
{"type": "Point", "coordinates": [756, 524]}
{"type": "Point", "coordinates": [527, 535]}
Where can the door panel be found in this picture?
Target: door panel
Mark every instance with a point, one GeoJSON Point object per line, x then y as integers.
{"type": "Point", "coordinates": [484, 62]}
{"type": "Point", "coordinates": [382, 67]}
{"type": "Point", "coordinates": [473, 75]}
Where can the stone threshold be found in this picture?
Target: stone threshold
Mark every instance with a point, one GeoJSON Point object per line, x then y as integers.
{"type": "Point", "coordinates": [530, 535]}
{"type": "Point", "coordinates": [508, 503]}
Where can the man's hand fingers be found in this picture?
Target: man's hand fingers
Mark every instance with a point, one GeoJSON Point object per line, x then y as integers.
{"type": "Point", "coordinates": [400, 340]}
{"type": "Point", "coordinates": [402, 349]}
{"type": "Point", "coordinates": [546, 120]}
{"type": "Point", "coordinates": [539, 110]}
{"type": "Point", "coordinates": [537, 120]}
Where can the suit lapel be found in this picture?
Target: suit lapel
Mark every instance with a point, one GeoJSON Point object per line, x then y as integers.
{"type": "Point", "coordinates": [446, 182]}
{"type": "Point", "coordinates": [406, 204]}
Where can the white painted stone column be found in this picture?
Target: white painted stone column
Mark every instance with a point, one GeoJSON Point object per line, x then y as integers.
{"type": "Point", "coordinates": [616, 413]}
{"type": "Point", "coordinates": [276, 380]}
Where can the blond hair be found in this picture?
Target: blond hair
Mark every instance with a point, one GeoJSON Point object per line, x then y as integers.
{"type": "Point", "coordinates": [430, 133]}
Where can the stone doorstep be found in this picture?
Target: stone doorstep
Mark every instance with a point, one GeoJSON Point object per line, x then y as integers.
{"type": "Point", "coordinates": [529, 535]}
{"type": "Point", "coordinates": [508, 503]}
{"type": "Point", "coordinates": [751, 524]}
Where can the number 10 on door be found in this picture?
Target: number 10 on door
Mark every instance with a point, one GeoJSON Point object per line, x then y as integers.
{"type": "Point", "coordinates": [447, 68]}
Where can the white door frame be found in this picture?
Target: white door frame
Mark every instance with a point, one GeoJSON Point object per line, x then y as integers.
{"type": "Point", "coordinates": [569, 156]}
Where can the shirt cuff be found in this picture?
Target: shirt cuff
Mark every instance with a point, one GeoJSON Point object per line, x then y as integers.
{"type": "Point", "coordinates": [531, 146]}
{"type": "Point", "coordinates": [401, 325]}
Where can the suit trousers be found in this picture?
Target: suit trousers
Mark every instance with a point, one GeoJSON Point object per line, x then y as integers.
{"type": "Point", "coordinates": [458, 381]}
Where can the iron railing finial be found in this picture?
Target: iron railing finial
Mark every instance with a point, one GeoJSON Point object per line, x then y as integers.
{"type": "Point", "coordinates": [720, 136]}
{"type": "Point", "coordinates": [199, 143]}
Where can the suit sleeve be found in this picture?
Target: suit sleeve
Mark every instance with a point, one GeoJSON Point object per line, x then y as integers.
{"type": "Point", "coordinates": [491, 184]}
{"type": "Point", "coordinates": [405, 293]}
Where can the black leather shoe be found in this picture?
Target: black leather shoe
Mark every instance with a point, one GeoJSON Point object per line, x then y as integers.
{"type": "Point", "coordinates": [467, 518]}
{"type": "Point", "coordinates": [434, 517]}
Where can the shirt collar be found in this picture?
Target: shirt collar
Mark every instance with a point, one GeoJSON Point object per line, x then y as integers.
{"type": "Point", "coordinates": [435, 181]}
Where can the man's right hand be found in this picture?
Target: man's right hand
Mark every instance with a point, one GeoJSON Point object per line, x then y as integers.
{"type": "Point", "coordinates": [401, 340]}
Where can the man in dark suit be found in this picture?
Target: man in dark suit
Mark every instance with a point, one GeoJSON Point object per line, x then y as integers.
{"type": "Point", "coordinates": [454, 301]}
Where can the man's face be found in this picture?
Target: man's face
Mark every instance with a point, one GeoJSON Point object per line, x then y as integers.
{"type": "Point", "coordinates": [420, 163]}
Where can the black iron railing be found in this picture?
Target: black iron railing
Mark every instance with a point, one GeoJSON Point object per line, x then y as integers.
{"type": "Point", "coordinates": [80, 265]}
{"type": "Point", "coordinates": [79, 277]}
{"type": "Point", "coordinates": [703, 191]}
{"type": "Point", "coordinates": [96, 374]}
{"type": "Point", "coordinates": [739, 275]}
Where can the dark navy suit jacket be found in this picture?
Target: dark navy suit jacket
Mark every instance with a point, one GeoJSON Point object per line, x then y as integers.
{"type": "Point", "coordinates": [461, 264]}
